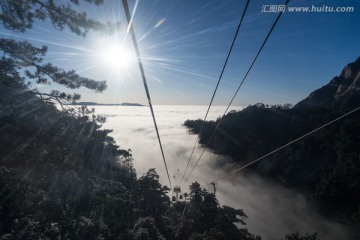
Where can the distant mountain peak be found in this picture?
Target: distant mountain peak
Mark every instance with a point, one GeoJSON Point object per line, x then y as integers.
{"type": "Point", "coordinates": [342, 91]}
{"type": "Point", "coordinates": [132, 104]}
{"type": "Point", "coordinates": [110, 104]}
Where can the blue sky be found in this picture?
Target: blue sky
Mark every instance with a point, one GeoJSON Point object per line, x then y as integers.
{"type": "Point", "coordinates": [184, 44]}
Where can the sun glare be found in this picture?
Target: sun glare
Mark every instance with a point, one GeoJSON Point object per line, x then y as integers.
{"type": "Point", "coordinates": [117, 57]}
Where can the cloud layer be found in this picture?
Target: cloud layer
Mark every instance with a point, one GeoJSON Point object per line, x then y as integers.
{"type": "Point", "coordinates": [273, 211]}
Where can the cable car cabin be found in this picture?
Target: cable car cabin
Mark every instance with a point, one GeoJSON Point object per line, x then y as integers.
{"type": "Point", "coordinates": [181, 197]}
{"type": "Point", "coordinates": [209, 207]}
{"type": "Point", "coordinates": [173, 198]}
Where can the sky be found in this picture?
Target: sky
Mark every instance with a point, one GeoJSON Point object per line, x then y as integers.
{"type": "Point", "coordinates": [183, 45]}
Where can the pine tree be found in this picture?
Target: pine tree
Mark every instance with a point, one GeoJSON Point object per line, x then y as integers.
{"type": "Point", "coordinates": [22, 62]}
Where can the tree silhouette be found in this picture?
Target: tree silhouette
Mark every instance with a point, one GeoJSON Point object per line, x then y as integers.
{"type": "Point", "coordinates": [19, 16]}
{"type": "Point", "coordinates": [22, 62]}
{"type": "Point", "coordinates": [298, 236]}
{"type": "Point", "coordinates": [153, 201]}
{"type": "Point", "coordinates": [196, 195]}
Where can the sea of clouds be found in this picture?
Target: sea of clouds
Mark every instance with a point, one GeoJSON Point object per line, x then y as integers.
{"type": "Point", "coordinates": [273, 210]}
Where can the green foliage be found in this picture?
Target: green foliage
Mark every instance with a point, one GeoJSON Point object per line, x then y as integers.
{"type": "Point", "coordinates": [20, 15]}
{"type": "Point", "coordinates": [203, 218]}
{"type": "Point", "coordinates": [152, 196]}
{"type": "Point", "coordinates": [298, 236]}
{"type": "Point", "coordinates": [209, 208]}
{"type": "Point", "coordinates": [21, 61]}
{"type": "Point", "coordinates": [22, 56]}
{"type": "Point", "coordinates": [61, 176]}
{"type": "Point", "coordinates": [152, 201]}
{"type": "Point", "coordinates": [145, 229]}
{"type": "Point", "coordinates": [196, 193]}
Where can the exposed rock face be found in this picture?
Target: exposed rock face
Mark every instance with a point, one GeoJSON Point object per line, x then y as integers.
{"type": "Point", "coordinates": [342, 91]}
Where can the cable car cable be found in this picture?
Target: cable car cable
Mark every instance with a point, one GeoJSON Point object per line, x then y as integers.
{"type": "Point", "coordinates": [133, 36]}
{"type": "Point", "coordinates": [241, 83]}
{"type": "Point", "coordinates": [217, 85]}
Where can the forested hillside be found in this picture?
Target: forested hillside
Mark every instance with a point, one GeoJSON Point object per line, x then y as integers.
{"type": "Point", "coordinates": [325, 164]}
{"type": "Point", "coordinates": [62, 177]}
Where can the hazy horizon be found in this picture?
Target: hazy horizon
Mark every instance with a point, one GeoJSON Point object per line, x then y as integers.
{"type": "Point", "coordinates": [183, 45]}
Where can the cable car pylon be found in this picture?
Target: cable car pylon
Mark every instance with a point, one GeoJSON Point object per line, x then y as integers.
{"type": "Point", "coordinates": [214, 183]}
{"type": "Point", "coordinates": [177, 190]}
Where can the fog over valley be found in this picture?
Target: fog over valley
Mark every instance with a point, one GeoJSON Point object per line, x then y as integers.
{"type": "Point", "coordinates": [273, 210]}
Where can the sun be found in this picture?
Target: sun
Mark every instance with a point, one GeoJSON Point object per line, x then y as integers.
{"type": "Point", "coordinates": [117, 57]}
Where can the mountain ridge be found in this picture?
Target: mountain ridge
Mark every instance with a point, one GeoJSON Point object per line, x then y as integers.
{"type": "Point", "coordinates": [342, 91]}
{"type": "Point", "coordinates": [325, 165]}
